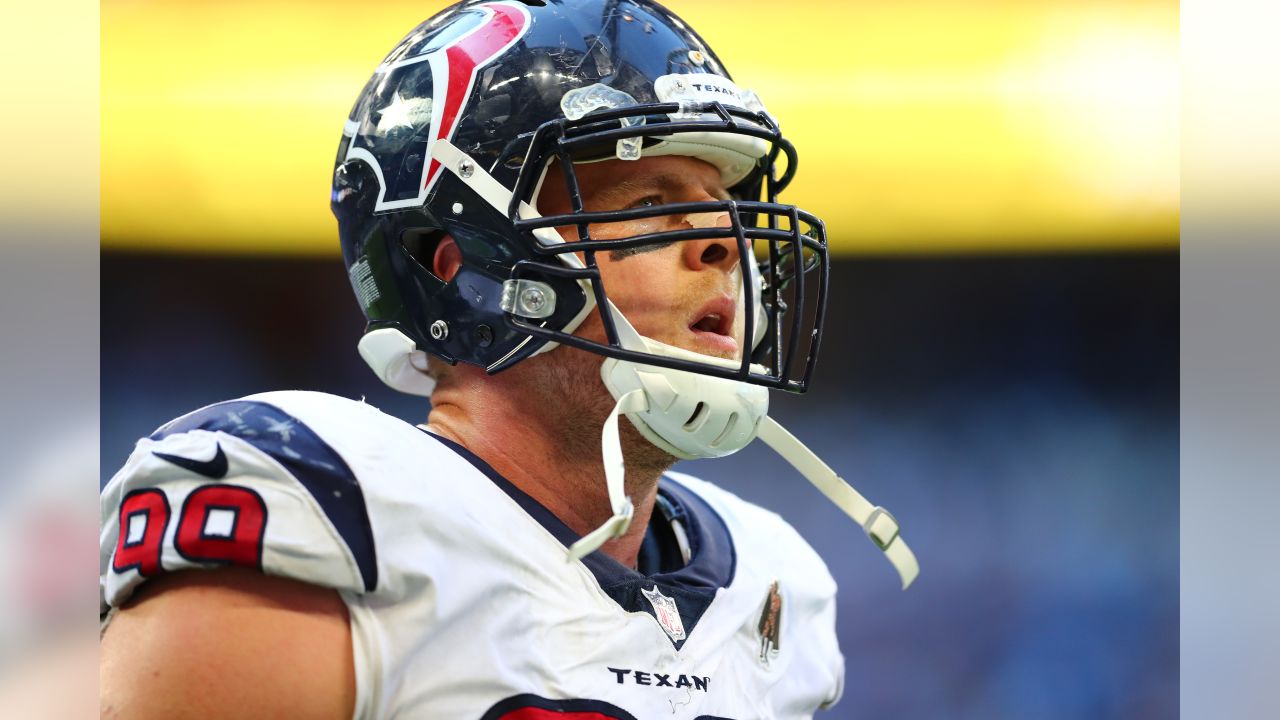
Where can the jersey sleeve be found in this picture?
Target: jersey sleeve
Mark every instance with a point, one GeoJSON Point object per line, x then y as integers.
{"type": "Point", "coordinates": [238, 483]}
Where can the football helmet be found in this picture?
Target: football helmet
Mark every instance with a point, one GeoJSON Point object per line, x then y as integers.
{"type": "Point", "coordinates": [455, 133]}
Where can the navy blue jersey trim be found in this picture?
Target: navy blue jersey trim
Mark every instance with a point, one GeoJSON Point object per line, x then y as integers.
{"type": "Point", "coordinates": [315, 465]}
{"type": "Point", "coordinates": [660, 551]}
{"type": "Point", "coordinates": [714, 559]}
{"type": "Point", "coordinates": [712, 563]}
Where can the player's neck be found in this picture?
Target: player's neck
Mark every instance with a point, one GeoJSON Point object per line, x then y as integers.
{"type": "Point", "coordinates": [563, 476]}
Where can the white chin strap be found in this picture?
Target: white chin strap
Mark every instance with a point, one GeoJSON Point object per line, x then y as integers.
{"type": "Point", "coordinates": [726, 416]}
{"type": "Point", "coordinates": [617, 524]}
{"type": "Point", "coordinates": [879, 525]}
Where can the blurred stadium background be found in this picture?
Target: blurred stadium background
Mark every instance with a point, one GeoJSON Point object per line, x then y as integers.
{"type": "Point", "coordinates": [1001, 185]}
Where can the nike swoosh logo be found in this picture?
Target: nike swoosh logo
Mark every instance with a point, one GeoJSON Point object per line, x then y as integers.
{"type": "Point", "coordinates": [215, 468]}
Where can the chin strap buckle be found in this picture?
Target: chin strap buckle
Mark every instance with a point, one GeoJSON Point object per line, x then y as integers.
{"type": "Point", "coordinates": [882, 527]}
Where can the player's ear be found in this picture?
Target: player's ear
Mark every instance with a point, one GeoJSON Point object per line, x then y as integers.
{"type": "Point", "coordinates": [447, 259]}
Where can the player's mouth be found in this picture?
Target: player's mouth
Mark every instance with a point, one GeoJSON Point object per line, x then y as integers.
{"type": "Point", "coordinates": [712, 327]}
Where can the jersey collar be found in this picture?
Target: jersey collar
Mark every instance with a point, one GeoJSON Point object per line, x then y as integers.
{"type": "Point", "coordinates": [712, 557]}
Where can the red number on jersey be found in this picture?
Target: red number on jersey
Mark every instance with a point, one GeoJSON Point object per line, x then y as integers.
{"type": "Point", "coordinates": [144, 515]}
{"type": "Point", "coordinates": [222, 524]}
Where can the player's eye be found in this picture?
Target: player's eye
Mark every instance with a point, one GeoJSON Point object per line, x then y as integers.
{"type": "Point", "coordinates": [641, 226]}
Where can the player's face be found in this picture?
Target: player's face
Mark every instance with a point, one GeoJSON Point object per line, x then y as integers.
{"type": "Point", "coordinates": [687, 293]}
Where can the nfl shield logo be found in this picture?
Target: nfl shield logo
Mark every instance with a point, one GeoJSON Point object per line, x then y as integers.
{"type": "Point", "coordinates": [665, 609]}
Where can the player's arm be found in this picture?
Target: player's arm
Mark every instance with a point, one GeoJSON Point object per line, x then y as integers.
{"type": "Point", "coordinates": [231, 540]}
{"type": "Point", "coordinates": [230, 643]}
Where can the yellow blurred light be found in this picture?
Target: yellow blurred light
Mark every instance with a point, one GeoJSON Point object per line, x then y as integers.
{"type": "Point", "coordinates": [922, 126]}
{"type": "Point", "coordinates": [1116, 109]}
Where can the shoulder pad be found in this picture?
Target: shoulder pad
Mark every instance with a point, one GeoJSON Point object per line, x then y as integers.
{"type": "Point", "coordinates": [240, 482]}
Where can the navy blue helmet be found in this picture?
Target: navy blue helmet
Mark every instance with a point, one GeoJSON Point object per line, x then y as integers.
{"type": "Point", "coordinates": [455, 134]}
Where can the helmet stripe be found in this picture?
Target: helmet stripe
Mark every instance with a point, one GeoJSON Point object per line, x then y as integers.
{"type": "Point", "coordinates": [505, 25]}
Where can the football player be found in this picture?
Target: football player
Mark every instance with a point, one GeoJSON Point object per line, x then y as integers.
{"type": "Point", "coordinates": [554, 215]}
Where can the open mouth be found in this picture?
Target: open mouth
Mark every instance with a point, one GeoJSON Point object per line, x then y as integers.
{"type": "Point", "coordinates": [712, 323]}
{"type": "Point", "coordinates": [713, 327]}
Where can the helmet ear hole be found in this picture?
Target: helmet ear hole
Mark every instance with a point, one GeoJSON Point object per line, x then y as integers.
{"type": "Point", "coordinates": [424, 247]}
{"type": "Point", "coordinates": [447, 259]}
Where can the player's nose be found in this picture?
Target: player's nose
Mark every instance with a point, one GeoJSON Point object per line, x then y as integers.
{"type": "Point", "coordinates": [711, 252]}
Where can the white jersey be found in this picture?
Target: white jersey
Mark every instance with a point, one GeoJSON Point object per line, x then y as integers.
{"type": "Point", "coordinates": [462, 601]}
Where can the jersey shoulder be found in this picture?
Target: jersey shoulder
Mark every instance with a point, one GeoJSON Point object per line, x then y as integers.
{"type": "Point", "coordinates": [278, 482]}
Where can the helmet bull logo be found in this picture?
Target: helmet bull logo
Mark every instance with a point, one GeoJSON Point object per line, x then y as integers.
{"type": "Point", "coordinates": [456, 53]}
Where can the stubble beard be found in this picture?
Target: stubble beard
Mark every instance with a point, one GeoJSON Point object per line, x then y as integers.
{"type": "Point", "coordinates": [574, 403]}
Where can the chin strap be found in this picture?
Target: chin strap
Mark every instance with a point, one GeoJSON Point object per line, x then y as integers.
{"type": "Point", "coordinates": [611, 446]}
{"type": "Point", "coordinates": [879, 525]}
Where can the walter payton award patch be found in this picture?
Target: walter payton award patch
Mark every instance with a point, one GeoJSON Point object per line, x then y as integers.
{"type": "Point", "coordinates": [770, 625]}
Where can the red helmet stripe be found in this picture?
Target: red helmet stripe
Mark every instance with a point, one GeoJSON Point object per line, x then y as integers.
{"type": "Point", "coordinates": [465, 58]}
